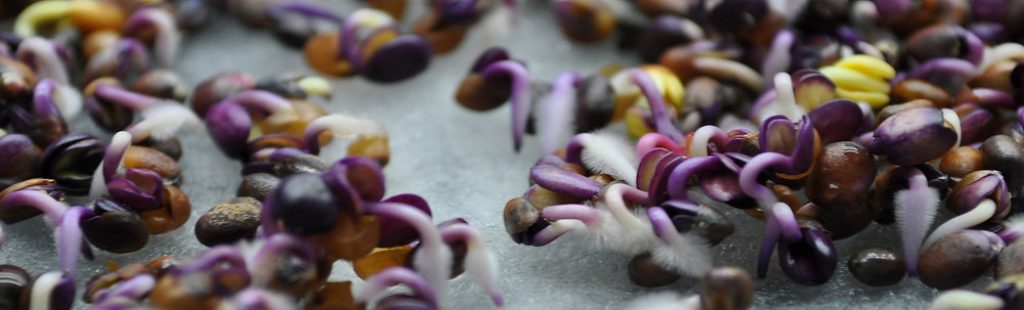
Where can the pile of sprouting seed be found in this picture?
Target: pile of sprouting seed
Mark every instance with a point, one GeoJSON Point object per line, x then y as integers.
{"type": "Point", "coordinates": [299, 208]}
{"type": "Point", "coordinates": [818, 118]}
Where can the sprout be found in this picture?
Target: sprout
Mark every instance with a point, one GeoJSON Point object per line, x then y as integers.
{"type": "Point", "coordinates": [915, 210]}
{"type": "Point", "coordinates": [43, 53]}
{"type": "Point", "coordinates": [555, 113]}
{"type": "Point", "coordinates": [603, 153]}
{"type": "Point", "coordinates": [163, 24]}
{"type": "Point", "coordinates": [962, 299]}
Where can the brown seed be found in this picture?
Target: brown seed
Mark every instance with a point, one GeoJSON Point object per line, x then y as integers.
{"type": "Point", "coordinates": [170, 146]}
{"type": "Point", "coordinates": [643, 271]}
{"type": "Point", "coordinates": [917, 89]}
{"type": "Point", "coordinates": [877, 267]}
{"type": "Point", "coordinates": [174, 213]}
{"type": "Point", "coordinates": [229, 222]}
{"type": "Point", "coordinates": [194, 292]}
{"type": "Point", "coordinates": [161, 265]}
{"type": "Point", "coordinates": [443, 38]}
{"type": "Point", "coordinates": [541, 197]}
{"type": "Point", "coordinates": [11, 214]}
{"type": "Point", "coordinates": [585, 20]}
{"type": "Point", "coordinates": [961, 161]}
{"type": "Point", "coordinates": [352, 237]}
{"type": "Point", "coordinates": [480, 94]}
{"type": "Point", "coordinates": [519, 215]}
{"type": "Point", "coordinates": [957, 259]}
{"type": "Point", "coordinates": [380, 259]}
{"type": "Point", "coordinates": [373, 147]}
{"type": "Point", "coordinates": [161, 83]}
{"type": "Point", "coordinates": [295, 127]}
{"type": "Point", "coordinates": [141, 157]}
{"type": "Point", "coordinates": [97, 41]}
{"type": "Point", "coordinates": [786, 195]}
{"type": "Point", "coordinates": [997, 76]}
{"type": "Point", "coordinates": [726, 288]}
{"type": "Point", "coordinates": [106, 280]}
{"type": "Point", "coordinates": [322, 55]}
{"type": "Point", "coordinates": [258, 185]}
{"type": "Point", "coordinates": [843, 174]}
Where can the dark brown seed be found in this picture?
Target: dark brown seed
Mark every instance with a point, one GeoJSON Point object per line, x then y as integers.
{"type": "Point", "coordinates": [961, 161]}
{"type": "Point", "coordinates": [1003, 154]}
{"type": "Point", "coordinates": [644, 272]}
{"type": "Point", "coordinates": [726, 288]}
{"type": "Point", "coordinates": [229, 222]}
{"type": "Point", "coordinates": [114, 229]}
{"type": "Point", "coordinates": [161, 83]}
{"type": "Point", "coordinates": [957, 259]}
{"type": "Point", "coordinates": [877, 267]}
{"type": "Point", "coordinates": [843, 174]}
{"type": "Point", "coordinates": [13, 282]}
{"type": "Point", "coordinates": [258, 185]}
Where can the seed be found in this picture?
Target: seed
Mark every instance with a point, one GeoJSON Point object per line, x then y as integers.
{"type": "Point", "coordinates": [115, 228]}
{"type": "Point", "coordinates": [1002, 153]}
{"type": "Point", "coordinates": [351, 238]}
{"type": "Point", "coordinates": [141, 157]}
{"type": "Point", "coordinates": [229, 222]}
{"type": "Point", "coordinates": [13, 283]}
{"type": "Point", "coordinates": [380, 259]}
{"type": "Point", "coordinates": [174, 213]}
{"type": "Point", "coordinates": [643, 271]}
{"type": "Point", "coordinates": [304, 204]}
{"type": "Point", "coordinates": [957, 259]}
{"type": "Point", "coordinates": [258, 185]}
{"type": "Point", "coordinates": [961, 161]}
{"type": "Point", "coordinates": [161, 83]}
{"type": "Point", "coordinates": [373, 147]}
{"type": "Point", "coordinates": [726, 288]}
{"type": "Point", "coordinates": [877, 267]}
{"type": "Point", "coordinates": [322, 55]}
{"type": "Point", "coordinates": [443, 38]}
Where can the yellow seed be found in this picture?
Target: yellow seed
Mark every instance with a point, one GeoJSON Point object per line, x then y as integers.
{"type": "Point", "coordinates": [90, 15]}
{"type": "Point", "coordinates": [875, 100]}
{"type": "Point", "coordinates": [867, 65]}
{"type": "Point", "coordinates": [635, 124]}
{"type": "Point", "coordinates": [39, 13]}
{"type": "Point", "coordinates": [852, 80]}
{"type": "Point", "coordinates": [668, 84]}
{"type": "Point", "coordinates": [315, 86]}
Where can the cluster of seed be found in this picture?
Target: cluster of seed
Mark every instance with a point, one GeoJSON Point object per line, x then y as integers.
{"type": "Point", "coordinates": [818, 118]}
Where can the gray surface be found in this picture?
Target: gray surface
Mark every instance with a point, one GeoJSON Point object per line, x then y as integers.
{"type": "Point", "coordinates": [462, 162]}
